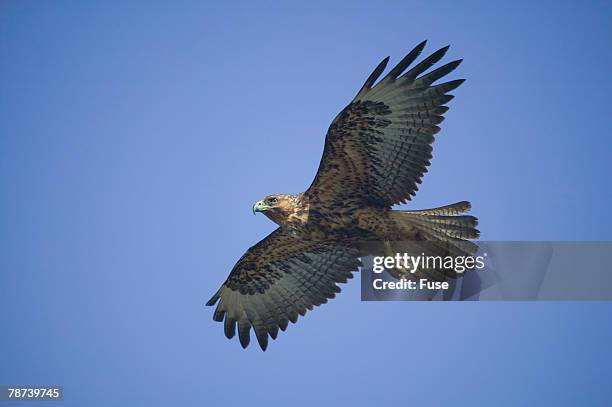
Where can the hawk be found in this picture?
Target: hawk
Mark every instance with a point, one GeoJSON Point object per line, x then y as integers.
{"type": "Point", "coordinates": [376, 152]}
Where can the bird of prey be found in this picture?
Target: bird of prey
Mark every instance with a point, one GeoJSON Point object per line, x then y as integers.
{"type": "Point", "coordinates": [376, 152]}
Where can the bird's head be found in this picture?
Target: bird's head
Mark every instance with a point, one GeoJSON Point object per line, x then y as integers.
{"type": "Point", "coordinates": [277, 207]}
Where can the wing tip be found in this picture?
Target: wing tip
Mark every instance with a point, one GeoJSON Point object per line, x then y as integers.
{"type": "Point", "coordinates": [372, 78]}
{"type": "Point", "coordinates": [229, 328]}
{"type": "Point", "coordinates": [213, 300]}
{"type": "Point", "coordinates": [455, 83]}
{"type": "Point", "coordinates": [244, 337]}
{"type": "Point", "coordinates": [263, 342]}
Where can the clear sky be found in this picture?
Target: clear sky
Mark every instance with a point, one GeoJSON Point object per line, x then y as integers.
{"type": "Point", "coordinates": [134, 139]}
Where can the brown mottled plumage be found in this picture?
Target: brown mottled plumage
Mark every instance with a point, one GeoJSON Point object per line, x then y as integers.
{"type": "Point", "coordinates": [376, 152]}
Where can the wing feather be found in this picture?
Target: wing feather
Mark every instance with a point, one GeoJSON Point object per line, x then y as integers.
{"type": "Point", "coordinates": [276, 281]}
{"type": "Point", "coordinates": [379, 147]}
{"type": "Point", "coordinates": [405, 62]}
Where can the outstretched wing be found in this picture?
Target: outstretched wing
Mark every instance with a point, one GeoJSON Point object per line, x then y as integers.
{"type": "Point", "coordinates": [378, 148]}
{"type": "Point", "coordinates": [278, 279]}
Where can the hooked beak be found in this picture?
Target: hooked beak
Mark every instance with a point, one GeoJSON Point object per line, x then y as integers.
{"type": "Point", "coordinates": [259, 206]}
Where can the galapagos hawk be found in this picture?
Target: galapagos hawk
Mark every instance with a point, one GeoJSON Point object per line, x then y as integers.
{"type": "Point", "coordinates": [376, 152]}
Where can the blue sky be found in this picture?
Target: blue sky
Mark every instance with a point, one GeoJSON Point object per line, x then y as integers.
{"type": "Point", "coordinates": [136, 137]}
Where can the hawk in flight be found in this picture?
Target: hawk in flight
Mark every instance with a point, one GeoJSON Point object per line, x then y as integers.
{"type": "Point", "coordinates": [376, 152]}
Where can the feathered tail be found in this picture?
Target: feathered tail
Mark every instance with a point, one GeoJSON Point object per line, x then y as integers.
{"type": "Point", "coordinates": [445, 223]}
{"type": "Point", "coordinates": [440, 231]}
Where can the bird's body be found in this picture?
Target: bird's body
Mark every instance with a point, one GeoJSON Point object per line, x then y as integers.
{"type": "Point", "coordinates": [376, 152]}
{"type": "Point", "coordinates": [318, 221]}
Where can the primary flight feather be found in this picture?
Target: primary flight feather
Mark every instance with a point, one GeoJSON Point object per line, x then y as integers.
{"type": "Point", "coordinates": [376, 152]}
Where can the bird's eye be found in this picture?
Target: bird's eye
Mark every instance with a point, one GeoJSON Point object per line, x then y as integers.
{"type": "Point", "coordinates": [273, 200]}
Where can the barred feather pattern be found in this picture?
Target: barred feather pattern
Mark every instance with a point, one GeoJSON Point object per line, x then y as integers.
{"type": "Point", "coordinates": [277, 280]}
{"type": "Point", "coordinates": [379, 147]}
